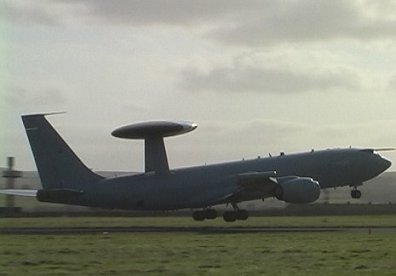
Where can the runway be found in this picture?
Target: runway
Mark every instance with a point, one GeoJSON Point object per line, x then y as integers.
{"type": "Point", "coordinates": [196, 230]}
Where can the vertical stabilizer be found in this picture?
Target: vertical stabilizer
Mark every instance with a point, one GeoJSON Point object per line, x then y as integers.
{"type": "Point", "coordinates": [57, 164]}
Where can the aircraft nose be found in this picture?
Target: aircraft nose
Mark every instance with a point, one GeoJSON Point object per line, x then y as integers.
{"type": "Point", "coordinates": [373, 164]}
{"type": "Point", "coordinates": [385, 163]}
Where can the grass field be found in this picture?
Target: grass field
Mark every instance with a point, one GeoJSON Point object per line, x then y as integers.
{"type": "Point", "coordinates": [331, 253]}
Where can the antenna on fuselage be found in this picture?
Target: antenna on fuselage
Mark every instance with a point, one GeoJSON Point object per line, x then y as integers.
{"type": "Point", "coordinates": [153, 134]}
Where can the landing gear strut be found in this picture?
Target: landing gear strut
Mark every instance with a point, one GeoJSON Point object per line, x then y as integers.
{"type": "Point", "coordinates": [205, 214]}
{"type": "Point", "coordinates": [237, 214]}
{"type": "Point", "coordinates": [355, 193]}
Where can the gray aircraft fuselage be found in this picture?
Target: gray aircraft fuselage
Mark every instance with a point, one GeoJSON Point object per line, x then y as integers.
{"type": "Point", "coordinates": [199, 187]}
{"type": "Point", "coordinates": [295, 178]}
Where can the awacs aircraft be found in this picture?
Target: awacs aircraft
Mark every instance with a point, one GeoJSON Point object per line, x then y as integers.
{"type": "Point", "coordinates": [294, 178]}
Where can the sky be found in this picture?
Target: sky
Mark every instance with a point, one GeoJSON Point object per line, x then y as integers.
{"type": "Point", "coordinates": [257, 77]}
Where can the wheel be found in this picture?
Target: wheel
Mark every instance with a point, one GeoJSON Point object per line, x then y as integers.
{"type": "Point", "coordinates": [229, 216]}
{"type": "Point", "coordinates": [242, 214]}
{"type": "Point", "coordinates": [210, 214]}
{"type": "Point", "coordinates": [199, 215]}
{"type": "Point", "coordinates": [356, 194]}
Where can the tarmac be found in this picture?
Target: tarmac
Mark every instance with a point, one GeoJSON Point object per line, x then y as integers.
{"type": "Point", "coordinates": [193, 230]}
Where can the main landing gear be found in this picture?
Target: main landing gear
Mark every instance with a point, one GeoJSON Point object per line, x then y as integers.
{"type": "Point", "coordinates": [231, 216]}
{"type": "Point", "coordinates": [355, 193]}
{"type": "Point", "coordinates": [228, 216]}
{"type": "Point", "coordinates": [205, 214]}
{"type": "Point", "coordinates": [236, 214]}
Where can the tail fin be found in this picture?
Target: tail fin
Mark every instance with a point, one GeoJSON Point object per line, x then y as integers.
{"type": "Point", "coordinates": [57, 164]}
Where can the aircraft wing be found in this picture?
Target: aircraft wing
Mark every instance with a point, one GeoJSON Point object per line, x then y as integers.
{"type": "Point", "coordinates": [257, 180]}
{"type": "Point", "coordinates": [19, 192]}
{"type": "Point", "coordinates": [254, 185]}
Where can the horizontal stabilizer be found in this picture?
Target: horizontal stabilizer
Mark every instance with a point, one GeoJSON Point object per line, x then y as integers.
{"type": "Point", "coordinates": [19, 192]}
{"type": "Point", "coordinates": [57, 195]}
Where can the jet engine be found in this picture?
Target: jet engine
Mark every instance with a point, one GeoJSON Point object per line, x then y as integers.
{"type": "Point", "coordinates": [294, 189]}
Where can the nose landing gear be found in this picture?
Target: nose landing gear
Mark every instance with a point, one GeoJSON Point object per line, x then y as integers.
{"type": "Point", "coordinates": [355, 193]}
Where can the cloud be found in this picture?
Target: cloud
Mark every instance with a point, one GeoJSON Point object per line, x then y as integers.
{"type": "Point", "coordinates": [33, 12]}
{"type": "Point", "coordinates": [249, 78]}
{"type": "Point", "coordinates": [392, 83]}
{"type": "Point", "coordinates": [308, 20]}
{"type": "Point", "coordinates": [152, 12]}
{"type": "Point", "coordinates": [127, 12]}
{"type": "Point", "coordinates": [293, 135]}
{"type": "Point", "coordinates": [18, 96]}
{"type": "Point", "coordinates": [232, 22]}
{"type": "Point", "coordinates": [218, 141]}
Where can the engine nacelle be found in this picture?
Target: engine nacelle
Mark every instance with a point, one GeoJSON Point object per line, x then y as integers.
{"type": "Point", "coordinates": [296, 189]}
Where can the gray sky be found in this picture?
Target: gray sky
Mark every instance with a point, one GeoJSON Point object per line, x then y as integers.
{"type": "Point", "coordinates": [257, 76]}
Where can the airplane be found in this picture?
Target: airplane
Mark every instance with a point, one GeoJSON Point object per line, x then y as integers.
{"type": "Point", "coordinates": [293, 178]}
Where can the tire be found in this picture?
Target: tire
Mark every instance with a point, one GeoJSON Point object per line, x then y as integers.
{"type": "Point", "coordinates": [229, 216]}
{"type": "Point", "coordinates": [242, 215]}
{"type": "Point", "coordinates": [356, 194]}
{"type": "Point", "coordinates": [199, 215]}
{"type": "Point", "coordinates": [210, 214]}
